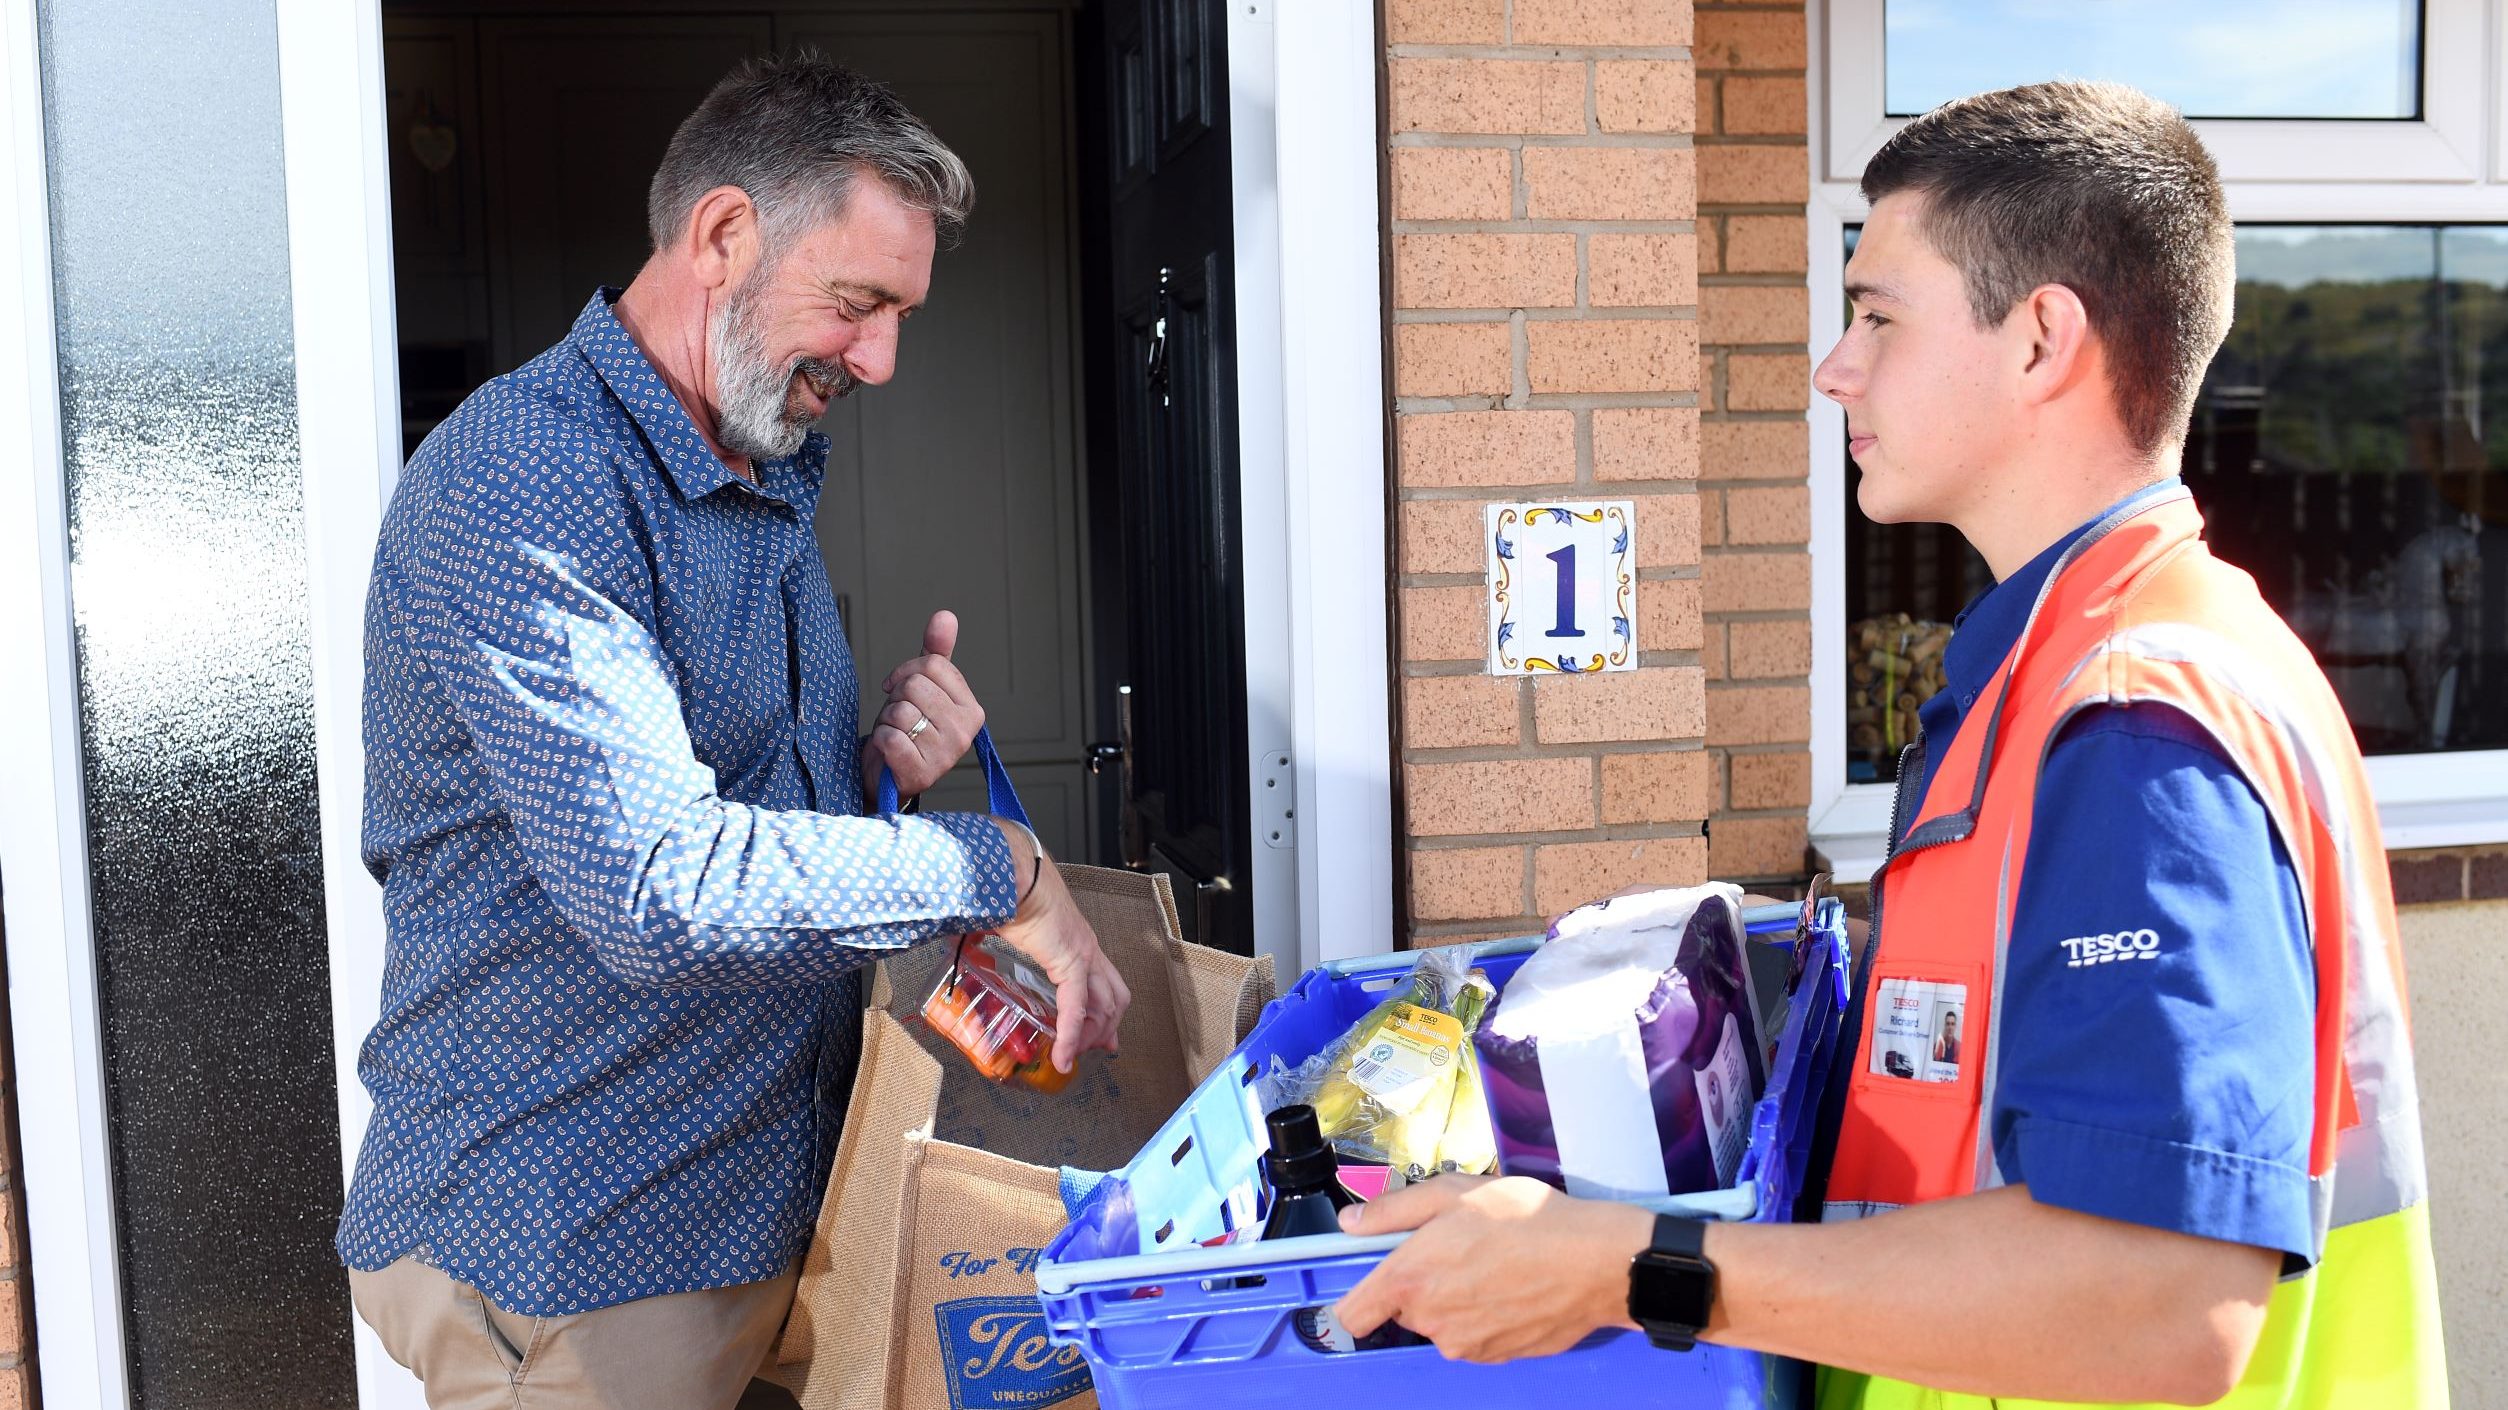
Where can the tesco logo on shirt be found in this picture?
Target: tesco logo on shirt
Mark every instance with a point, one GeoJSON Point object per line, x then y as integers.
{"type": "Point", "coordinates": [2113, 946]}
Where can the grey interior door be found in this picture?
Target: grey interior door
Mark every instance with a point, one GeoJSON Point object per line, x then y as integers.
{"type": "Point", "coordinates": [577, 112]}
{"type": "Point", "coordinates": [1167, 345]}
{"type": "Point", "coordinates": [955, 485]}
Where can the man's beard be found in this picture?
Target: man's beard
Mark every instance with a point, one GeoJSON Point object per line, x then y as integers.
{"type": "Point", "coordinates": [754, 412]}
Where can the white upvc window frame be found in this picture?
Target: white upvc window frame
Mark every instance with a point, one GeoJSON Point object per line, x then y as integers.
{"type": "Point", "coordinates": [2447, 143]}
{"type": "Point", "coordinates": [2450, 168]}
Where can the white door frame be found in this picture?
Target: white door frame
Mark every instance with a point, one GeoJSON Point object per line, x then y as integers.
{"type": "Point", "coordinates": [1312, 408]}
{"type": "Point", "coordinates": [339, 235]}
{"type": "Point", "coordinates": [58, 1059]}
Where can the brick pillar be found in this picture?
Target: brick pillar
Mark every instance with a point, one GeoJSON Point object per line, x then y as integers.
{"type": "Point", "coordinates": [1545, 339]}
{"type": "Point", "coordinates": [1754, 175]}
{"type": "Point", "coordinates": [17, 1303]}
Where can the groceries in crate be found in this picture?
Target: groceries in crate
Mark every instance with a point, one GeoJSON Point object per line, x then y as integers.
{"type": "Point", "coordinates": [998, 1009]}
{"type": "Point", "coordinates": [1623, 1059]}
{"type": "Point", "coordinates": [1893, 665]}
{"type": "Point", "coordinates": [1306, 1193]}
{"type": "Point", "coordinates": [1307, 1197]}
{"type": "Point", "coordinates": [1401, 1088]}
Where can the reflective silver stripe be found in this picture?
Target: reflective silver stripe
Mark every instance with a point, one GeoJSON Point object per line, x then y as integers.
{"type": "Point", "coordinates": [1989, 1174]}
{"type": "Point", "coordinates": [1842, 1211]}
{"type": "Point", "coordinates": [2378, 1166]}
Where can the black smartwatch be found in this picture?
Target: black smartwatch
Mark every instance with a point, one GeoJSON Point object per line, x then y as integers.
{"type": "Point", "coordinates": [1671, 1285]}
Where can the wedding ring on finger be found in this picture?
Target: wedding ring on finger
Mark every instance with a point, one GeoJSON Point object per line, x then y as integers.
{"type": "Point", "coordinates": [919, 727]}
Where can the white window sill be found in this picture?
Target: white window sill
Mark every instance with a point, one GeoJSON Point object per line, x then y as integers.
{"type": "Point", "coordinates": [2424, 800]}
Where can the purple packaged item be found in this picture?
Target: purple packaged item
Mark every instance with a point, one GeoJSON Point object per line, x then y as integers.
{"type": "Point", "coordinates": [1623, 1059]}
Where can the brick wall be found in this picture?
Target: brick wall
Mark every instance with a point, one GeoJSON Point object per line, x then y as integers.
{"type": "Point", "coordinates": [1545, 316]}
{"type": "Point", "coordinates": [1754, 174]}
{"type": "Point", "coordinates": [2444, 875]}
{"type": "Point", "coordinates": [17, 1303]}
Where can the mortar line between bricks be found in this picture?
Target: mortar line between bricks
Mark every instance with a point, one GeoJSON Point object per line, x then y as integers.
{"type": "Point", "coordinates": [1551, 401]}
{"type": "Point", "coordinates": [1522, 225]}
{"type": "Point", "coordinates": [1519, 360]}
{"type": "Point", "coordinates": [1555, 313]}
{"type": "Point", "coordinates": [1442, 670]}
{"type": "Point", "coordinates": [1437, 842]}
{"type": "Point", "coordinates": [1640, 490]}
{"type": "Point", "coordinates": [1610, 401]}
{"type": "Point", "coordinates": [1547, 53]}
{"type": "Point", "coordinates": [1511, 141]}
{"type": "Point", "coordinates": [1591, 141]}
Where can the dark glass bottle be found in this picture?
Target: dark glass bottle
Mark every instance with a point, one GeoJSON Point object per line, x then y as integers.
{"type": "Point", "coordinates": [1306, 1192]}
{"type": "Point", "coordinates": [1307, 1197]}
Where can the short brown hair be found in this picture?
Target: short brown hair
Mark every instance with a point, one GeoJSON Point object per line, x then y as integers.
{"type": "Point", "coordinates": [2099, 188]}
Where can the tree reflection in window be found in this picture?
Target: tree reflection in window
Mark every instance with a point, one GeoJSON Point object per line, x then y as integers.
{"type": "Point", "coordinates": [2347, 452]}
{"type": "Point", "coordinates": [2349, 449]}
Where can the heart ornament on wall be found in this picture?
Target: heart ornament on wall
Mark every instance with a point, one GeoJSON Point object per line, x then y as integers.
{"type": "Point", "coordinates": [433, 144]}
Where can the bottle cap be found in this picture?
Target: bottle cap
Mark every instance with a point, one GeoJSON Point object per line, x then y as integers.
{"type": "Point", "coordinates": [1299, 1159]}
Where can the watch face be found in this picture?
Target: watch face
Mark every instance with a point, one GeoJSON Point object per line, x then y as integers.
{"type": "Point", "coordinates": [1672, 1290]}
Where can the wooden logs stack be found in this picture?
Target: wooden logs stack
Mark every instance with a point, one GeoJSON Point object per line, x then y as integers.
{"type": "Point", "coordinates": [1893, 665]}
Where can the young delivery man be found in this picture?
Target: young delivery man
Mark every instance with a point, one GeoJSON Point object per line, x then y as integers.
{"type": "Point", "coordinates": [2180, 1159]}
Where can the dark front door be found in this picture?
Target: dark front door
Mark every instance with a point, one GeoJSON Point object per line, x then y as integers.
{"type": "Point", "coordinates": [1163, 373]}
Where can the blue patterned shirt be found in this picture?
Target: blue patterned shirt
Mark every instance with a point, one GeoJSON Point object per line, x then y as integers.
{"type": "Point", "coordinates": [613, 794]}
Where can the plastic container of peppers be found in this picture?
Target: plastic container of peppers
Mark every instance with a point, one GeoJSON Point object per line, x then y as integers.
{"type": "Point", "coordinates": [996, 1007]}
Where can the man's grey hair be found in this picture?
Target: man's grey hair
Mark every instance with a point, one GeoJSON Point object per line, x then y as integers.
{"type": "Point", "coordinates": [795, 132]}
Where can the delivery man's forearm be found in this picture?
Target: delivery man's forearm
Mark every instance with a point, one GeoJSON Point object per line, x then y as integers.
{"type": "Point", "coordinates": [1997, 1294]}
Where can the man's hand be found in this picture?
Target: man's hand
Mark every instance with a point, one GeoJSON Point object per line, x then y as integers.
{"type": "Point", "coordinates": [1089, 996]}
{"type": "Point", "coordinates": [930, 720]}
{"type": "Point", "coordinates": [1499, 1269]}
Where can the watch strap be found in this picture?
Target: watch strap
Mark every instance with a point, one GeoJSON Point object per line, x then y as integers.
{"type": "Point", "coordinates": [1678, 1248]}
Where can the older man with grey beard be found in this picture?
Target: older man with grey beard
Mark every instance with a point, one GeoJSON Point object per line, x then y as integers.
{"type": "Point", "coordinates": [616, 800]}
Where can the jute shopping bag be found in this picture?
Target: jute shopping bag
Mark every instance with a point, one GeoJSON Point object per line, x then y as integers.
{"type": "Point", "coordinates": [919, 1291]}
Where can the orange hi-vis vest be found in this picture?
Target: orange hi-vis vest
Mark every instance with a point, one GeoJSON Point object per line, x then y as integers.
{"type": "Point", "coordinates": [2138, 610]}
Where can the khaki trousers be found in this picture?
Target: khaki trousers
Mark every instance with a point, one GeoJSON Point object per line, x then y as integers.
{"type": "Point", "coordinates": [680, 1351]}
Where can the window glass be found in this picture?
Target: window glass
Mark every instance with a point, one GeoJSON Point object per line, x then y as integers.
{"type": "Point", "coordinates": [185, 487]}
{"type": "Point", "coordinates": [2349, 452]}
{"type": "Point", "coordinates": [2358, 59]}
{"type": "Point", "coordinates": [2349, 449]}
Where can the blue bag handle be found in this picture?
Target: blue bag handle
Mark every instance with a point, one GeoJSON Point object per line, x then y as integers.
{"type": "Point", "coordinates": [1000, 798]}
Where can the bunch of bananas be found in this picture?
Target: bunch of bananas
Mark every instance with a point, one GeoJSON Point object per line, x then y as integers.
{"type": "Point", "coordinates": [1405, 1087]}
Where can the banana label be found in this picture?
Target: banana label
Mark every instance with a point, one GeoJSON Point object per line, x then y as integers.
{"type": "Point", "coordinates": [1410, 1057]}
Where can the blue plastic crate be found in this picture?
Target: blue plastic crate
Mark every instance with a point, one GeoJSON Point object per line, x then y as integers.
{"type": "Point", "coordinates": [1210, 1328]}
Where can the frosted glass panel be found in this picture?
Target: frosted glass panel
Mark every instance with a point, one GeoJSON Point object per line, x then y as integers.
{"type": "Point", "coordinates": [169, 223]}
{"type": "Point", "coordinates": [2355, 59]}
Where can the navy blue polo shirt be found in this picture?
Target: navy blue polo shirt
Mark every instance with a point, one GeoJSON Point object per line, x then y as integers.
{"type": "Point", "coordinates": [2175, 1092]}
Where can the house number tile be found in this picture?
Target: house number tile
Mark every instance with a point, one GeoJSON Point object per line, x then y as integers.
{"type": "Point", "coordinates": [1562, 587]}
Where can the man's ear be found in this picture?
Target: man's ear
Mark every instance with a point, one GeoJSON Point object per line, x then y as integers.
{"type": "Point", "coordinates": [2057, 327]}
{"type": "Point", "coordinates": [722, 237]}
